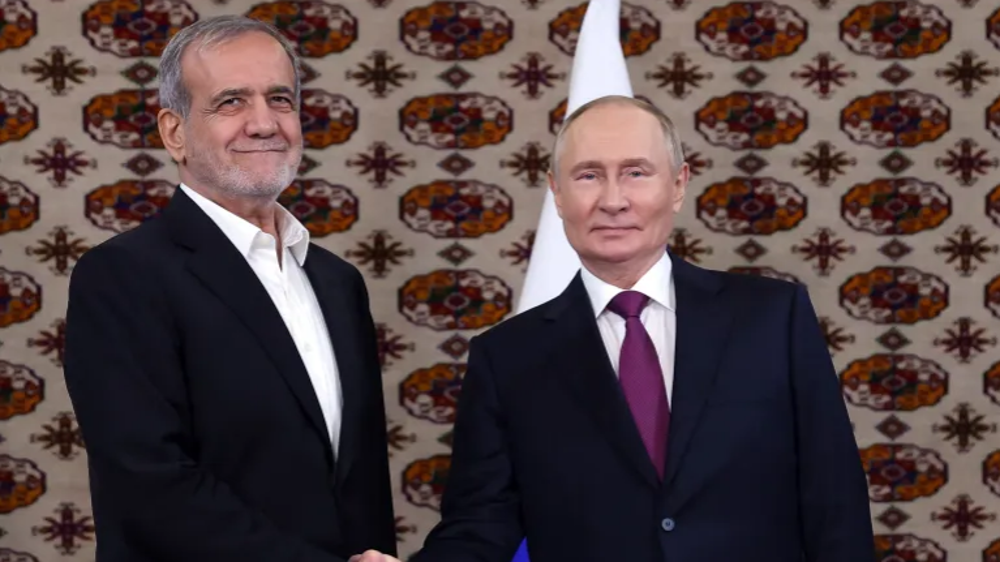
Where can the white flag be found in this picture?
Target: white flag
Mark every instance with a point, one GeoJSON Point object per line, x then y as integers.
{"type": "Point", "coordinates": [598, 70]}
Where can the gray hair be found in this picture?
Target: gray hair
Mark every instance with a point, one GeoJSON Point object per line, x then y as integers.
{"type": "Point", "coordinates": [206, 34]}
{"type": "Point", "coordinates": [670, 134]}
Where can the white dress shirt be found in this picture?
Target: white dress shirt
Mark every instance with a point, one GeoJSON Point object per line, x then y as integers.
{"type": "Point", "coordinates": [291, 293]}
{"type": "Point", "coordinates": [659, 315]}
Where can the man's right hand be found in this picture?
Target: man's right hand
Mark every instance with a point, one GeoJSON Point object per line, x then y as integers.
{"type": "Point", "coordinates": [372, 556]}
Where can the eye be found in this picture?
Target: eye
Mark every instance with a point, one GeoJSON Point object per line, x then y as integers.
{"type": "Point", "coordinates": [588, 176]}
{"type": "Point", "coordinates": [636, 173]}
{"type": "Point", "coordinates": [229, 102]}
{"type": "Point", "coordinates": [281, 99]}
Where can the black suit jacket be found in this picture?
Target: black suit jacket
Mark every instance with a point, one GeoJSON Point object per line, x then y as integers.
{"type": "Point", "coordinates": [761, 465]}
{"type": "Point", "coordinates": [204, 436]}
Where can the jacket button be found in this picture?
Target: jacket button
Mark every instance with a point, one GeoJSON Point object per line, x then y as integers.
{"type": "Point", "coordinates": [667, 524]}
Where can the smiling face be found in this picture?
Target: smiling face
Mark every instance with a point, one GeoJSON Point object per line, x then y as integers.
{"type": "Point", "coordinates": [242, 136]}
{"type": "Point", "coordinates": [617, 188]}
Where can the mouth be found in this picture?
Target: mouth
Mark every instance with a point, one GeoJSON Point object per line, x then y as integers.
{"type": "Point", "coordinates": [613, 228]}
{"type": "Point", "coordinates": [261, 150]}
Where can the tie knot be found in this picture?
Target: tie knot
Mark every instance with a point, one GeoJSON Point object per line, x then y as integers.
{"type": "Point", "coordinates": [628, 304]}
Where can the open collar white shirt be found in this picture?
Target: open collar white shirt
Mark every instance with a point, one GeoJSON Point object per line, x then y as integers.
{"type": "Point", "coordinates": [292, 294]}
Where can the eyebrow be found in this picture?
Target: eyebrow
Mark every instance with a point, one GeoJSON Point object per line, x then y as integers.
{"type": "Point", "coordinates": [235, 92]}
{"type": "Point", "coordinates": [586, 164]}
{"type": "Point", "coordinates": [637, 162]}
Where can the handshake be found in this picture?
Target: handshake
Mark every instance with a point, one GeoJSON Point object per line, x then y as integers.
{"type": "Point", "coordinates": [372, 556]}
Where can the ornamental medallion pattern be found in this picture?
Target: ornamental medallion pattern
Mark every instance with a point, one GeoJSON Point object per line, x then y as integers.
{"type": "Point", "coordinates": [850, 146]}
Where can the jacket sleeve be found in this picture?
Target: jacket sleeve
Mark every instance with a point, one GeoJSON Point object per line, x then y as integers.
{"type": "Point", "coordinates": [833, 490]}
{"type": "Point", "coordinates": [125, 378]}
{"type": "Point", "coordinates": [386, 531]}
{"type": "Point", "coordinates": [480, 511]}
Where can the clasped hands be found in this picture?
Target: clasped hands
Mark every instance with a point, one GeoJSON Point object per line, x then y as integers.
{"type": "Point", "coordinates": [372, 556]}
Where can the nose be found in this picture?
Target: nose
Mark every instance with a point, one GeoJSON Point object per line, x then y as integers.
{"type": "Point", "coordinates": [612, 198]}
{"type": "Point", "coordinates": [260, 121]}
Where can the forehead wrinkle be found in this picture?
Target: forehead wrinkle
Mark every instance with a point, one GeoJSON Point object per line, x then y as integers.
{"type": "Point", "coordinates": [571, 135]}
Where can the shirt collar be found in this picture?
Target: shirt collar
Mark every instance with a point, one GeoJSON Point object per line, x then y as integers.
{"type": "Point", "coordinates": [242, 233]}
{"type": "Point", "coordinates": [657, 284]}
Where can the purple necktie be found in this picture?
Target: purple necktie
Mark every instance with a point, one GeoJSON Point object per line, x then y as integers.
{"type": "Point", "coordinates": [642, 378]}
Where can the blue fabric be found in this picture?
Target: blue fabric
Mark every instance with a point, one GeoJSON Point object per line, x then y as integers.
{"type": "Point", "coordinates": [522, 553]}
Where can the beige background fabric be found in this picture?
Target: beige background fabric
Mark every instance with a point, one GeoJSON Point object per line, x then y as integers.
{"type": "Point", "coordinates": [852, 147]}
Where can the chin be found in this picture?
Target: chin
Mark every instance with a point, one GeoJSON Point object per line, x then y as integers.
{"type": "Point", "coordinates": [615, 252]}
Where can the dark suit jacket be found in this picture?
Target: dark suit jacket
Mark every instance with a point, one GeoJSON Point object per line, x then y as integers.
{"type": "Point", "coordinates": [761, 465]}
{"type": "Point", "coordinates": [204, 436]}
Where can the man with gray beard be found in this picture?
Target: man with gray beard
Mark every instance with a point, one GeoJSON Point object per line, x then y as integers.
{"type": "Point", "coordinates": [223, 369]}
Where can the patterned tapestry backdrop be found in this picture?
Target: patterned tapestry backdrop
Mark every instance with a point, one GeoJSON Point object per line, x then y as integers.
{"type": "Point", "coordinates": [852, 147]}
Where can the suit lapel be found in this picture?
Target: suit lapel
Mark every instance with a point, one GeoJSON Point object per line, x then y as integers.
{"type": "Point", "coordinates": [339, 311]}
{"type": "Point", "coordinates": [221, 268]}
{"type": "Point", "coordinates": [580, 361]}
{"type": "Point", "coordinates": [703, 323]}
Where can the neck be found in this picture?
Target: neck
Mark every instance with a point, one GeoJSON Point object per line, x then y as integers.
{"type": "Point", "coordinates": [258, 211]}
{"type": "Point", "coordinates": [623, 275]}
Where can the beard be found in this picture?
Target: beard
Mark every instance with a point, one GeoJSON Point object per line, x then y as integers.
{"type": "Point", "coordinates": [237, 181]}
